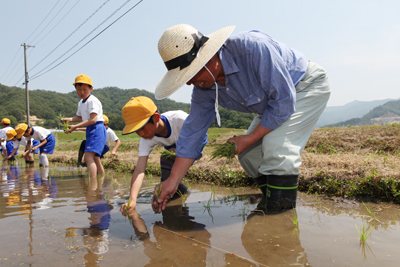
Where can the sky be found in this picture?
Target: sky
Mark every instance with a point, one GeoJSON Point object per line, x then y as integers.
{"type": "Point", "coordinates": [357, 42]}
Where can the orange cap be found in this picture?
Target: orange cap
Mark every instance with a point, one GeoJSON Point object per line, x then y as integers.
{"type": "Point", "coordinates": [82, 78]}
{"type": "Point", "coordinates": [137, 113]}
{"type": "Point", "coordinates": [21, 129]}
{"type": "Point", "coordinates": [6, 121]}
{"type": "Point", "coordinates": [11, 134]}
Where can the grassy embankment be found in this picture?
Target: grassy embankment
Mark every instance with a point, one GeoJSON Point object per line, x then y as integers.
{"type": "Point", "coordinates": [345, 162]}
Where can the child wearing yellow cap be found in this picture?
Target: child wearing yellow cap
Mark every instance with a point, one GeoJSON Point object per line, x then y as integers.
{"type": "Point", "coordinates": [142, 117]}
{"type": "Point", "coordinates": [10, 145]}
{"type": "Point", "coordinates": [90, 114]}
{"type": "Point", "coordinates": [111, 136]}
{"type": "Point", "coordinates": [3, 136]}
{"type": "Point", "coordinates": [12, 135]}
{"type": "Point", "coordinates": [46, 144]}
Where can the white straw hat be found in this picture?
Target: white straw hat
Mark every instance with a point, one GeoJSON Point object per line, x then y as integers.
{"type": "Point", "coordinates": [185, 51]}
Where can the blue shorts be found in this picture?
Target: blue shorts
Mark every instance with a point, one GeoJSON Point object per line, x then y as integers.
{"type": "Point", "coordinates": [10, 148]}
{"type": "Point", "coordinates": [96, 135]}
{"type": "Point", "coordinates": [105, 150]}
{"type": "Point", "coordinates": [101, 211]}
{"type": "Point", "coordinates": [35, 143]}
{"type": "Point", "coordinates": [49, 146]}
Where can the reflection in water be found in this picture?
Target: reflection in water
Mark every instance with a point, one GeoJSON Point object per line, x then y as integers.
{"type": "Point", "coordinates": [32, 189]}
{"type": "Point", "coordinates": [37, 214]}
{"type": "Point", "coordinates": [180, 241]}
{"type": "Point", "coordinates": [273, 240]}
{"type": "Point", "coordinates": [95, 237]}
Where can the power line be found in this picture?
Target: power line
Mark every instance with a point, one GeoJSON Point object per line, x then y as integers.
{"type": "Point", "coordinates": [42, 20]}
{"type": "Point", "coordinates": [10, 63]}
{"type": "Point", "coordinates": [38, 74]}
{"type": "Point", "coordinates": [70, 35]}
{"type": "Point", "coordinates": [58, 22]}
{"type": "Point", "coordinates": [50, 21]}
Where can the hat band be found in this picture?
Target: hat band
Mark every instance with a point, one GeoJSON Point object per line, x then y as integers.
{"type": "Point", "coordinates": [184, 60]}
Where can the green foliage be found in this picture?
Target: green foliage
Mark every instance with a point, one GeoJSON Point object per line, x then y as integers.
{"type": "Point", "coordinates": [48, 104]}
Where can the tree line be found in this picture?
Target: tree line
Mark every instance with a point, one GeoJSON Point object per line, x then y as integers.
{"type": "Point", "coordinates": [49, 105]}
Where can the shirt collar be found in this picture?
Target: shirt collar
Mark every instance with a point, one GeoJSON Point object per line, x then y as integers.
{"type": "Point", "coordinates": [84, 100]}
{"type": "Point", "coordinates": [168, 127]}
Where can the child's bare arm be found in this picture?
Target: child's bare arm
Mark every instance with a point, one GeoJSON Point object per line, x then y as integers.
{"type": "Point", "coordinates": [114, 150]}
{"type": "Point", "coordinates": [136, 182]}
{"type": "Point", "coordinates": [90, 121]}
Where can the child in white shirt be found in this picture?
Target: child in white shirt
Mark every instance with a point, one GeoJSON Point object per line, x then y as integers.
{"type": "Point", "coordinates": [90, 112]}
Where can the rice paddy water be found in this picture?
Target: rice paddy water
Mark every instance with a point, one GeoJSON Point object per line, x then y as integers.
{"type": "Point", "coordinates": [67, 219]}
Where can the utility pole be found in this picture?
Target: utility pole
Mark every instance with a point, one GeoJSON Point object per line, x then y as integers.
{"type": "Point", "coordinates": [26, 85]}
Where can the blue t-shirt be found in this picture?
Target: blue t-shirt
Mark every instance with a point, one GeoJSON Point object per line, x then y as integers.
{"type": "Point", "coordinates": [260, 76]}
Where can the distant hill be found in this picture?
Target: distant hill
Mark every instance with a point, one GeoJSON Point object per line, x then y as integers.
{"type": "Point", "coordinates": [354, 109]}
{"type": "Point", "coordinates": [48, 105]}
{"type": "Point", "coordinates": [386, 113]}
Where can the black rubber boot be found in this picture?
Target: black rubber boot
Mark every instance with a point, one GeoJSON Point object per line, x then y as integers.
{"type": "Point", "coordinates": [81, 152]}
{"type": "Point", "coordinates": [262, 182]}
{"type": "Point", "coordinates": [166, 163]}
{"type": "Point", "coordinates": [281, 192]}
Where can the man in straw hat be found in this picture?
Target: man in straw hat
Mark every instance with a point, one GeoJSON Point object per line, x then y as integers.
{"type": "Point", "coordinates": [248, 72]}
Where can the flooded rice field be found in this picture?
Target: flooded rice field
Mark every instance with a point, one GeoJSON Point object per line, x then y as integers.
{"type": "Point", "coordinates": [59, 217]}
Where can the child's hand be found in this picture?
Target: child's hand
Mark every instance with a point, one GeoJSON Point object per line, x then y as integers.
{"type": "Point", "coordinates": [71, 129]}
{"type": "Point", "coordinates": [124, 210]}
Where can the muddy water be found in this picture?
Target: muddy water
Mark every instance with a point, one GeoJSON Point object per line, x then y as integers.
{"type": "Point", "coordinates": [59, 217]}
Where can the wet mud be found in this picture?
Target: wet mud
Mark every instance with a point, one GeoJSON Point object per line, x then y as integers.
{"type": "Point", "coordinates": [60, 217]}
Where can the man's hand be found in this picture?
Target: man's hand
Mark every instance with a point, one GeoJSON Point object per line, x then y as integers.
{"type": "Point", "coordinates": [168, 189]}
{"type": "Point", "coordinates": [243, 142]}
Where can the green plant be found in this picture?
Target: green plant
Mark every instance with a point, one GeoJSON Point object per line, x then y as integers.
{"type": "Point", "coordinates": [155, 198]}
{"type": "Point", "coordinates": [295, 218]}
{"type": "Point", "coordinates": [369, 211]}
{"type": "Point", "coordinates": [183, 196]}
{"type": "Point", "coordinates": [364, 233]}
{"type": "Point", "coordinates": [168, 154]}
{"type": "Point", "coordinates": [65, 124]}
{"type": "Point", "coordinates": [243, 210]}
{"type": "Point", "coordinates": [226, 150]}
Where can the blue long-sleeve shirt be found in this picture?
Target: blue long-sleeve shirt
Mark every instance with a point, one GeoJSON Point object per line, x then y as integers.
{"type": "Point", "coordinates": [260, 77]}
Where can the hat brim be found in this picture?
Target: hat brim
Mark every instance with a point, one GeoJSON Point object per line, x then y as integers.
{"type": "Point", "coordinates": [133, 127]}
{"type": "Point", "coordinates": [10, 138]}
{"type": "Point", "coordinates": [176, 78]}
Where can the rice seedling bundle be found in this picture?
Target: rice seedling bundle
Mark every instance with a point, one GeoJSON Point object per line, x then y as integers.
{"type": "Point", "coordinates": [65, 124]}
{"type": "Point", "coordinates": [226, 150]}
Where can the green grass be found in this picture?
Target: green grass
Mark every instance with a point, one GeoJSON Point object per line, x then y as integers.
{"type": "Point", "coordinates": [364, 233]}
{"type": "Point", "coordinates": [369, 211]}
{"type": "Point", "coordinates": [295, 218]}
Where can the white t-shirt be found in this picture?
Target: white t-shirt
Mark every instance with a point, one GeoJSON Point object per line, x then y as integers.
{"type": "Point", "coordinates": [91, 105]}
{"type": "Point", "coordinates": [175, 119]}
{"type": "Point", "coordinates": [39, 133]}
{"type": "Point", "coordinates": [3, 135]}
{"type": "Point", "coordinates": [111, 136]}
{"type": "Point", "coordinates": [23, 142]}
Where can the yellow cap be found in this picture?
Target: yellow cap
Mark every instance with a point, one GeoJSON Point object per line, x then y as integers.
{"type": "Point", "coordinates": [21, 129]}
{"type": "Point", "coordinates": [82, 78]}
{"type": "Point", "coordinates": [137, 113]}
{"type": "Point", "coordinates": [105, 118]}
{"type": "Point", "coordinates": [6, 121]}
{"type": "Point", "coordinates": [11, 134]}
